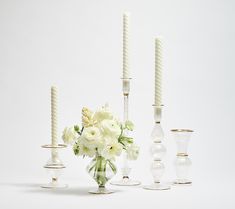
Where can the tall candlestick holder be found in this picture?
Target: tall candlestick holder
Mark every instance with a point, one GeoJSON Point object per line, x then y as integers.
{"type": "Point", "coordinates": [182, 161]}
{"type": "Point", "coordinates": [54, 167]}
{"type": "Point", "coordinates": [126, 169]}
{"type": "Point", "coordinates": [157, 151]}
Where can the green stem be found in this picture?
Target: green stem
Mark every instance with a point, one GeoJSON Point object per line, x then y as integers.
{"type": "Point", "coordinates": [112, 166]}
{"type": "Point", "coordinates": [99, 167]}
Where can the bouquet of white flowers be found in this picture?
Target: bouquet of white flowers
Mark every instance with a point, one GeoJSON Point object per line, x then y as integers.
{"type": "Point", "coordinates": [101, 137]}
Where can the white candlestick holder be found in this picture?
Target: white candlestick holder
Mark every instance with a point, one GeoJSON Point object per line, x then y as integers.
{"type": "Point", "coordinates": [54, 167]}
{"type": "Point", "coordinates": [157, 151]}
{"type": "Point", "coordinates": [126, 169]}
{"type": "Point", "coordinates": [182, 161]}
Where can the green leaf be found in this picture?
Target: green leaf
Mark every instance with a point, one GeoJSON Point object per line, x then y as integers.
{"type": "Point", "coordinates": [76, 150]}
{"type": "Point", "coordinates": [76, 128]}
{"type": "Point", "coordinates": [125, 139]}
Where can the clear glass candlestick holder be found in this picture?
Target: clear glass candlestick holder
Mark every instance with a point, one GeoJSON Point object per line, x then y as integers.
{"type": "Point", "coordinates": [157, 151]}
{"type": "Point", "coordinates": [126, 168]}
{"type": "Point", "coordinates": [54, 167]}
{"type": "Point", "coordinates": [125, 171]}
{"type": "Point", "coordinates": [182, 162]}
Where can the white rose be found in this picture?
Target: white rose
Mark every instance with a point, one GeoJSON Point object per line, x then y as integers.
{"type": "Point", "coordinates": [132, 152]}
{"type": "Point", "coordinates": [110, 128]}
{"type": "Point", "coordinates": [69, 135]}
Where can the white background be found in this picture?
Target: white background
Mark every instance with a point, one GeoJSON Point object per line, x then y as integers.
{"type": "Point", "coordinates": [77, 45]}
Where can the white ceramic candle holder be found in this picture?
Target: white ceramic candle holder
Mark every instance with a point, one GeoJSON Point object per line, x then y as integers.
{"type": "Point", "coordinates": [126, 169]}
{"type": "Point", "coordinates": [157, 151]}
{"type": "Point", "coordinates": [182, 161]}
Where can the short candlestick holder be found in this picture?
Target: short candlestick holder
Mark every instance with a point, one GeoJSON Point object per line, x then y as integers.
{"type": "Point", "coordinates": [157, 151]}
{"type": "Point", "coordinates": [54, 167]}
{"type": "Point", "coordinates": [182, 161]}
{"type": "Point", "coordinates": [126, 169]}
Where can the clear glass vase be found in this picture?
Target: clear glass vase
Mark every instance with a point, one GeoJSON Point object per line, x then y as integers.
{"type": "Point", "coordinates": [182, 162]}
{"type": "Point", "coordinates": [101, 170]}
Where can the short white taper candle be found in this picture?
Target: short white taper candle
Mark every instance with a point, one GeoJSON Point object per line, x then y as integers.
{"type": "Point", "coordinates": [126, 22]}
{"type": "Point", "coordinates": [54, 95]}
{"type": "Point", "coordinates": [158, 72]}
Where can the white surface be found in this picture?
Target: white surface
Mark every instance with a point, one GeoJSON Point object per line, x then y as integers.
{"type": "Point", "coordinates": [77, 45]}
{"type": "Point", "coordinates": [26, 194]}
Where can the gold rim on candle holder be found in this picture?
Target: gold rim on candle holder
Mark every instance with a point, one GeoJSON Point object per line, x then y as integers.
{"type": "Point", "coordinates": [50, 146]}
{"type": "Point", "coordinates": [182, 183]}
{"type": "Point", "coordinates": [59, 166]}
{"type": "Point", "coordinates": [126, 78]}
{"type": "Point", "coordinates": [182, 130]}
{"type": "Point", "coordinates": [159, 106]}
{"type": "Point", "coordinates": [182, 155]}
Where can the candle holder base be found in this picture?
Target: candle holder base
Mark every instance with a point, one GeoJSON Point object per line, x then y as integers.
{"type": "Point", "coordinates": [158, 186]}
{"type": "Point", "coordinates": [182, 182]}
{"type": "Point", "coordinates": [53, 185]}
{"type": "Point", "coordinates": [126, 181]}
{"type": "Point", "coordinates": [101, 190]}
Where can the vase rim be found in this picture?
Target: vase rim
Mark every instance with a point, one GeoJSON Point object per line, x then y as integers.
{"type": "Point", "coordinates": [181, 130]}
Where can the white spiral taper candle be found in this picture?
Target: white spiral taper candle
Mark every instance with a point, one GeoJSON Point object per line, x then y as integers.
{"type": "Point", "coordinates": [54, 116]}
{"type": "Point", "coordinates": [126, 69]}
{"type": "Point", "coordinates": [158, 72]}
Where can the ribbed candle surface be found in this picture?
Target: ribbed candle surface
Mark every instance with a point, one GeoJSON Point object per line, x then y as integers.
{"type": "Point", "coordinates": [54, 95]}
{"type": "Point", "coordinates": [158, 72]}
{"type": "Point", "coordinates": [126, 20]}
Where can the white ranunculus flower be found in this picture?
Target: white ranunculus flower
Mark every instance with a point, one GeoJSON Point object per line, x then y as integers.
{"type": "Point", "coordinates": [69, 135]}
{"type": "Point", "coordinates": [110, 128]}
{"type": "Point", "coordinates": [91, 137]}
{"type": "Point", "coordinates": [132, 152]}
{"type": "Point", "coordinates": [112, 150]}
{"type": "Point", "coordinates": [103, 114]}
{"type": "Point", "coordinates": [110, 139]}
{"type": "Point", "coordinates": [87, 150]}
{"type": "Point", "coordinates": [91, 134]}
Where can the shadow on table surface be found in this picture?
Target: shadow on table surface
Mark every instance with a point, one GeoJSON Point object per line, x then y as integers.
{"type": "Point", "coordinates": [36, 188]}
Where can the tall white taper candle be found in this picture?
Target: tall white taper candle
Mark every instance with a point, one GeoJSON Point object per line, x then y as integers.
{"type": "Point", "coordinates": [126, 20]}
{"type": "Point", "coordinates": [54, 116]}
{"type": "Point", "coordinates": [158, 72]}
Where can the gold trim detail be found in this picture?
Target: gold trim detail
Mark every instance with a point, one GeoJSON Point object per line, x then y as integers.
{"type": "Point", "coordinates": [50, 146]}
{"type": "Point", "coordinates": [181, 130]}
{"type": "Point", "coordinates": [126, 78]}
{"type": "Point", "coordinates": [183, 183]}
{"type": "Point", "coordinates": [157, 106]}
{"type": "Point", "coordinates": [54, 166]}
{"type": "Point", "coordinates": [182, 155]}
